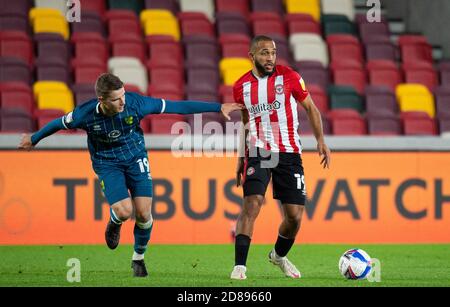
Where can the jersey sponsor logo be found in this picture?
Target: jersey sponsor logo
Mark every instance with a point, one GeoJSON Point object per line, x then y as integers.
{"type": "Point", "coordinates": [250, 171]}
{"type": "Point", "coordinates": [129, 120]}
{"type": "Point", "coordinates": [265, 107]}
{"type": "Point", "coordinates": [279, 89]}
{"type": "Point", "coordinates": [246, 93]}
{"type": "Point", "coordinates": [114, 134]}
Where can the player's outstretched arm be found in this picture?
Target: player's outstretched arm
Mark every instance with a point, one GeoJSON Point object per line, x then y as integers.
{"type": "Point", "coordinates": [191, 107]}
{"type": "Point", "coordinates": [29, 141]}
{"type": "Point", "coordinates": [316, 122]}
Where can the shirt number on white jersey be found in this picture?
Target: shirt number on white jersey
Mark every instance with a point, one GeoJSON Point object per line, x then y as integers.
{"type": "Point", "coordinates": [142, 163]}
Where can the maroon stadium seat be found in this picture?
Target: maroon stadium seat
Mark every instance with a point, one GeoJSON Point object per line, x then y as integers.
{"type": "Point", "coordinates": [427, 77]}
{"type": "Point", "coordinates": [170, 5]}
{"type": "Point", "coordinates": [233, 6]}
{"type": "Point", "coordinates": [381, 105]}
{"type": "Point", "coordinates": [16, 44]}
{"type": "Point", "coordinates": [197, 26]}
{"type": "Point", "coordinates": [162, 123]}
{"type": "Point", "coordinates": [14, 69]}
{"type": "Point", "coordinates": [349, 126]}
{"type": "Point", "coordinates": [275, 6]}
{"type": "Point", "coordinates": [88, 74]}
{"type": "Point", "coordinates": [17, 100]}
{"type": "Point", "coordinates": [201, 55]}
{"type": "Point", "coordinates": [15, 120]}
{"type": "Point", "coordinates": [131, 47]}
{"type": "Point", "coordinates": [165, 54]}
{"type": "Point", "coordinates": [202, 81]}
{"type": "Point", "coordinates": [384, 126]}
{"type": "Point", "coordinates": [91, 22]}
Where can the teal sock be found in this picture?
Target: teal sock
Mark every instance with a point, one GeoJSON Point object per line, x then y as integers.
{"type": "Point", "coordinates": [142, 236]}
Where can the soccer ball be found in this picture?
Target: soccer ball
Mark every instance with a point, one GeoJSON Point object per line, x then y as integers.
{"type": "Point", "coordinates": [355, 264]}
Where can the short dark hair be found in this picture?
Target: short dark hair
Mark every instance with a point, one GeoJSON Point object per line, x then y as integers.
{"type": "Point", "coordinates": [106, 83]}
{"type": "Point", "coordinates": [255, 41]}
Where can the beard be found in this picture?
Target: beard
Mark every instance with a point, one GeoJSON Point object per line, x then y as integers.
{"type": "Point", "coordinates": [262, 70]}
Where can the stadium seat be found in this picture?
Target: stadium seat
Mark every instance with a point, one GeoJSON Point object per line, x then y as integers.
{"type": "Point", "coordinates": [124, 28]}
{"type": "Point", "coordinates": [53, 72]}
{"type": "Point", "coordinates": [47, 20]}
{"type": "Point", "coordinates": [314, 75]}
{"type": "Point", "coordinates": [427, 77]}
{"type": "Point", "coordinates": [13, 69]}
{"type": "Point", "coordinates": [131, 47]}
{"type": "Point", "coordinates": [125, 62]}
{"type": "Point", "coordinates": [377, 51]}
{"type": "Point", "coordinates": [339, 7]}
{"type": "Point", "coordinates": [231, 69]}
{"type": "Point", "coordinates": [384, 126]}
{"type": "Point", "coordinates": [15, 121]}
{"type": "Point", "coordinates": [337, 24]}
{"type": "Point", "coordinates": [416, 53]}
{"type": "Point", "coordinates": [18, 8]}
{"type": "Point", "coordinates": [62, 100]}
{"type": "Point", "coordinates": [304, 127]}
{"type": "Point", "coordinates": [97, 6]}
{"type": "Point", "coordinates": [234, 45]}
{"type": "Point", "coordinates": [202, 81]}
{"type": "Point", "coordinates": [170, 5]}
{"type": "Point", "coordinates": [14, 23]}
{"type": "Point", "coordinates": [367, 29]}
{"type": "Point", "coordinates": [92, 22]}
{"type": "Point", "coordinates": [419, 126]}
{"type": "Point", "coordinates": [230, 23]}
{"type": "Point", "coordinates": [206, 7]}
{"type": "Point", "coordinates": [310, 7]}
{"type": "Point", "coordinates": [88, 74]}
{"type": "Point", "coordinates": [275, 6]}
{"type": "Point", "coordinates": [348, 126]}
{"type": "Point", "coordinates": [304, 26]}
{"type": "Point", "coordinates": [83, 92]}
{"type": "Point", "coordinates": [202, 55]}
{"type": "Point", "coordinates": [17, 100]}
{"type": "Point", "coordinates": [389, 77]}
{"type": "Point", "coordinates": [163, 123]}
{"type": "Point", "coordinates": [211, 123]}
{"type": "Point", "coordinates": [233, 6]}
{"type": "Point", "coordinates": [411, 89]}
{"type": "Point", "coordinates": [133, 75]}
{"type": "Point", "coordinates": [422, 103]}
{"type": "Point", "coordinates": [134, 5]}
{"type": "Point", "coordinates": [52, 48]}
{"type": "Point", "coordinates": [16, 44]}
{"type": "Point", "coordinates": [346, 53]}
{"type": "Point", "coordinates": [197, 26]}
{"type": "Point", "coordinates": [165, 54]}
{"type": "Point", "coordinates": [49, 86]}
{"type": "Point", "coordinates": [169, 80]}
{"type": "Point", "coordinates": [443, 106]}
{"type": "Point", "coordinates": [61, 6]}
{"type": "Point", "coordinates": [310, 51]}
{"type": "Point", "coordinates": [345, 97]}
{"type": "Point", "coordinates": [381, 105]}
{"type": "Point", "coordinates": [444, 127]}
{"type": "Point", "coordinates": [351, 77]}
{"type": "Point", "coordinates": [162, 27]}
{"type": "Point", "coordinates": [89, 48]}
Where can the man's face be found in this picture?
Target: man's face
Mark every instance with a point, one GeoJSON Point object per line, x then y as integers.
{"type": "Point", "coordinates": [264, 57]}
{"type": "Point", "coordinates": [115, 102]}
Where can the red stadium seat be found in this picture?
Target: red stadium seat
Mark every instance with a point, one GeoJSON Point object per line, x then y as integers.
{"type": "Point", "coordinates": [384, 126]}
{"type": "Point", "coordinates": [16, 44]}
{"type": "Point", "coordinates": [90, 48]}
{"type": "Point", "coordinates": [129, 48]}
{"type": "Point", "coordinates": [269, 27]}
{"type": "Point", "coordinates": [233, 6]}
{"type": "Point", "coordinates": [304, 26]}
{"type": "Point", "coordinates": [198, 26]}
{"type": "Point", "coordinates": [165, 54]}
{"type": "Point", "coordinates": [17, 100]}
{"type": "Point", "coordinates": [389, 77]}
{"type": "Point", "coordinates": [163, 123]}
{"type": "Point", "coordinates": [349, 126]}
{"type": "Point", "coordinates": [427, 77]}
{"type": "Point", "coordinates": [166, 79]}
{"type": "Point", "coordinates": [98, 6]}
{"type": "Point", "coordinates": [88, 74]}
{"type": "Point", "coordinates": [352, 77]}
{"type": "Point", "coordinates": [419, 126]}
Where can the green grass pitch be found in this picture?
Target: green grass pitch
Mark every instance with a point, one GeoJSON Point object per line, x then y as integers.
{"type": "Point", "coordinates": [210, 266]}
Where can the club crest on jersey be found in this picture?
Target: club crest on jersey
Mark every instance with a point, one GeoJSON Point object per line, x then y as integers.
{"type": "Point", "coordinates": [250, 171]}
{"type": "Point", "coordinates": [129, 120]}
{"type": "Point", "coordinates": [246, 94]}
{"type": "Point", "coordinates": [114, 134]}
{"type": "Point", "coordinates": [279, 89]}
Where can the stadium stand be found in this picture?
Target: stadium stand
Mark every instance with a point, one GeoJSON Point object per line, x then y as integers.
{"type": "Point", "coordinates": [183, 49]}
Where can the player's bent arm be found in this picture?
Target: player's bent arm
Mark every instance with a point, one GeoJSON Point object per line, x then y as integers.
{"type": "Point", "coordinates": [314, 118]}
{"type": "Point", "coordinates": [52, 127]}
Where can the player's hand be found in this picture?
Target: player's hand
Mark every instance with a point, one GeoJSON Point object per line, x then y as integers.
{"type": "Point", "coordinates": [25, 143]}
{"type": "Point", "coordinates": [227, 108]}
{"type": "Point", "coordinates": [239, 171]}
{"type": "Point", "coordinates": [324, 153]}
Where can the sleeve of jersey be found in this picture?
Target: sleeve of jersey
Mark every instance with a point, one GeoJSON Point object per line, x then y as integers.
{"type": "Point", "coordinates": [52, 127]}
{"type": "Point", "coordinates": [237, 95]}
{"type": "Point", "coordinates": [298, 87]}
{"type": "Point", "coordinates": [65, 122]}
{"type": "Point", "coordinates": [152, 105]}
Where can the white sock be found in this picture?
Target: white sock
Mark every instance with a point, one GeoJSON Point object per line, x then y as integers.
{"type": "Point", "coordinates": [137, 256]}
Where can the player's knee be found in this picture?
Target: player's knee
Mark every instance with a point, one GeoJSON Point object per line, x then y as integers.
{"type": "Point", "coordinates": [293, 221]}
{"type": "Point", "coordinates": [143, 217]}
{"type": "Point", "coordinates": [123, 212]}
{"type": "Point", "coordinates": [252, 206]}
